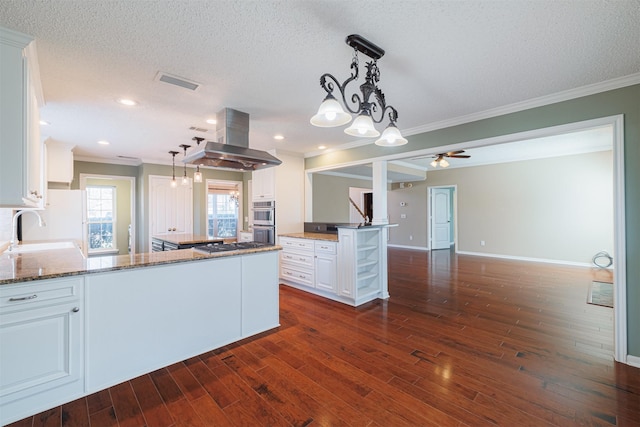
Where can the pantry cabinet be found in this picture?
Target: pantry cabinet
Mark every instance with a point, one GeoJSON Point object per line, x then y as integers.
{"type": "Point", "coordinates": [171, 208]}
{"type": "Point", "coordinates": [264, 184]}
{"type": "Point", "coordinates": [21, 150]}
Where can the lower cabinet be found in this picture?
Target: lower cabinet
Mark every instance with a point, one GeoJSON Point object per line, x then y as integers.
{"type": "Point", "coordinates": [351, 270]}
{"type": "Point", "coordinates": [62, 339]}
{"type": "Point", "coordinates": [42, 346]}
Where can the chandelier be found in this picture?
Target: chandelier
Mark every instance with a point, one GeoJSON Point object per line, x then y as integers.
{"type": "Point", "coordinates": [331, 113]}
{"type": "Point", "coordinates": [234, 197]}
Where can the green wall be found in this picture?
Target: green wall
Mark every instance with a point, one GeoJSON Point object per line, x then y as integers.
{"type": "Point", "coordinates": [624, 101]}
{"type": "Point", "coordinates": [331, 197]}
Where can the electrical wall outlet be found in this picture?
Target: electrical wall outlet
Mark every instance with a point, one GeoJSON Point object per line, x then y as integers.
{"type": "Point", "coordinates": [481, 242]}
{"type": "Point", "coordinates": [410, 237]}
{"type": "Point", "coordinates": [403, 216]}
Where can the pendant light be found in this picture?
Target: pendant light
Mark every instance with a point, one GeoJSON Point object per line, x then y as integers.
{"type": "Point", "coordinates": [197, 176]}
{"type": "Point", "coordinates": [185, 180]}
{"type": "Point", "coordinates": [331, 112]}
{"type": "Point", "coordinates": [174, 183]}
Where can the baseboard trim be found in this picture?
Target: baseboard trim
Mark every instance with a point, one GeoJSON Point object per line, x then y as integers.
{"type": "Point", "coordinates": [633, 361]}
{"type": "Point", "coordinates": [521, 258]}
{"type": "Point", "coordinates": [415, 248]}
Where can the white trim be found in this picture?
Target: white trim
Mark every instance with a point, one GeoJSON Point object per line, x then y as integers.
{"type": "Point", "coordinates": [417, 248]}
{"type": "Point", "coordinates": [633, 361]}
{"type": "Point", "coordinates": [237, 185]}
{"type": "Point", "coordinates": [132, 182]}
{"type": "Point", "coordinates": [620, 254]}
{"type": "Point", "coordinates": [117, 161]}
{"type": "Point", "coordinates": [527, 259]}
{"type": "Point", "coordinates": [566, 95]}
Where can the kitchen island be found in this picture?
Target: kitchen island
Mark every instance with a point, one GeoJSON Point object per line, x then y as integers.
{"type": "Point", "coordinates": [348, 266]}
{"type": "Point", "coordinates": [173, 241]}
{"type": "Point", "coordinates": [71, 326]}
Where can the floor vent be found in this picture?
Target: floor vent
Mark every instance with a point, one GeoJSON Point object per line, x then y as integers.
{"type": "Point", "coordinates": [176, 81]}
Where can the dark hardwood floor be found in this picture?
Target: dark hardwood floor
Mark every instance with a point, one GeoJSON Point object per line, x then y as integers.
{"type": "Point", "coordinates": [462, 341]}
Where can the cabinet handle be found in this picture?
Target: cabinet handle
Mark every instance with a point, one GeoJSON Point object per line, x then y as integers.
{"type": "Point", "coordinates": [34, 296]}
{"type": "Point", "coordinates": [75, 309]}
{"type": "Point", "coordinates": [36, 194]}
{"type": "Point", "coordinates": [302, 259]}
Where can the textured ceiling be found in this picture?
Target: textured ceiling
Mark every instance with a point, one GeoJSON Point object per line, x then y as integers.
{"type": "Point", "coordinates": [444, 60]}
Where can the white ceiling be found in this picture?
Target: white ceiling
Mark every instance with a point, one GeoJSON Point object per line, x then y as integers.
{"type": "Point", "coordinates": [444, 60]}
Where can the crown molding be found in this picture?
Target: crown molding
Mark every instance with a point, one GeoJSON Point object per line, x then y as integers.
{"type": "Point", "coordinates": [126, 162]}
{"type": "Point", "coordinates": [566, 95]}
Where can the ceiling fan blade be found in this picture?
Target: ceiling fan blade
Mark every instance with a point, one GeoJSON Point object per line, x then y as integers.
{"type": "Point", "coordinates": [452, 153]}
{"type": "Point", "coordinates": [458, 156]}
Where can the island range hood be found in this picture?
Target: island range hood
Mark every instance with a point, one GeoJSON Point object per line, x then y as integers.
{"type": "Point", "coordinates": [231, 150]}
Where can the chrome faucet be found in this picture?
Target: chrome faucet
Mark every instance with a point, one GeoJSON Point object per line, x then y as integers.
{"type": "Point", "coordinates": [14, 226]}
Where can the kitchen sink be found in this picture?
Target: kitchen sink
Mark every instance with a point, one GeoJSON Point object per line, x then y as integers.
{"type": "Point", "coordinates": [44, 246]}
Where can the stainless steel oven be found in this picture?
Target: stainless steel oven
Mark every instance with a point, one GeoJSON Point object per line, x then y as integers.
{"type": "Point", "coordinates": [264, 213]}
{"type": "Point", "coordinates": [264, 234]}
{"type": "Point", "coordinates": [264, 222]}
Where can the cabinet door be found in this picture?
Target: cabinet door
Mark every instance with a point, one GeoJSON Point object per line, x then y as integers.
{"type": "Point", "coordinates": [41, 350]}
{"type": "Point", "coordinates": [325, 274]}
{"type": "Point", "coordinates": [171, 209]}
{"type": "Point", "coordinates": [264, 184]}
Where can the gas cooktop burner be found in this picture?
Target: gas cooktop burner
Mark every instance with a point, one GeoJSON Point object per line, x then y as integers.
{"type": "Point", "coordinates": [212, 248]}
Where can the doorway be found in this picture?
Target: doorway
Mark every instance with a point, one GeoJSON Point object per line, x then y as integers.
{"type": "Point", "coordinates": [441, 221]}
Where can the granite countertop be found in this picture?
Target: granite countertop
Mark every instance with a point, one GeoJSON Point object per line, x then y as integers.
{"type": "Point", "coordinates": [15, 268]}
{"type": "Point", "coordinates": [313, 236]}
{"type": "Point", "coordinates": [186, 238]}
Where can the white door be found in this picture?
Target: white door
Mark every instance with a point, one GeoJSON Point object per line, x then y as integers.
{"type": "Point", "coordinates": [440, 218]}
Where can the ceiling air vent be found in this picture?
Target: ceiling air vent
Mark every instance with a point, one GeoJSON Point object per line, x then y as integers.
{"type": "Point", "coordinates": [197, 129]}
{"type": "Point", "coordinates": [177, 81]}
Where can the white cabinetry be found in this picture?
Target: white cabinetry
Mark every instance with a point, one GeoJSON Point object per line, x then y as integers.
{"type": "Point", "coordinates": [264, 184]}
{"type": "Point", "coordinates": [309, 263]}
{"type": "Point", "coordinates": [171, 209]}
{"type": "Point", "coordinates": [325, 266]}
{"type": "Point", "coordinates": [41, 331]}
{"type": "Point", "coordinates": [59, 162]}
{"type": "Point", "coordinates": [297, 261]}
{"type": "Point", "coordinates": [353, 270]}
{"type": "Point", "coordinates": [21, 164]}
{"type": "Point", "coordinates": [362, 264]}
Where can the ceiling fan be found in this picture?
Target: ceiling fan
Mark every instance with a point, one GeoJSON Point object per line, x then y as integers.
{"type": "Point", "coordinates": [439, 159]}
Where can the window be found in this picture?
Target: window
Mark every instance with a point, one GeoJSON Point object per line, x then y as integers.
{"type": "Point", "coordinates": [101, 219]}
{"type": "Point", "coordinates": [222, 213]}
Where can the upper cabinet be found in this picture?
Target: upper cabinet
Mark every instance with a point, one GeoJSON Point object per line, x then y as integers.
{"type": "Point", "coordinates": [59, 162]}
{"type": "Point", "coordinates": [264, 184]}
{"type": "Point", "coordinates": [21, 149]}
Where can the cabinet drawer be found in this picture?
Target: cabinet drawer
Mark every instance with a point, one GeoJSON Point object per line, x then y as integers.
{"type": "Point", "coordinates": [296, 244]}
{"type": "Point", "coordinates": [298, 258]}
{"type": "Point", "coordinates": [39, 293]}
{"type": "Point", "coordinates": [297, 276]}
{"type": "Point", "coordinates": [325, 247]}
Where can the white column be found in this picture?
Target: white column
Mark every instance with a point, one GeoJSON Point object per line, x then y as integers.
{"type": "Point", "coordinates": [380, 215]}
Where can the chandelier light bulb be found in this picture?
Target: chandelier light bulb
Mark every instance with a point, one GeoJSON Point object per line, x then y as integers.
{"type": "Point", "coordinates": [434, 163]}
{"type": "Point", "coordinates": [174, 183]}
{"type": "Point", "coordinates": [197, 176]}
{"type": "Point", "coordinates": [330, 114]}
{"type": "Point", "coordinates": [391, 137]}
{"type": "Point", "coordinates": [185, 180]}
{"type": "Point", "coordinates": [444, 163]}
{"type": "Point", "coordinates": [362, 126]}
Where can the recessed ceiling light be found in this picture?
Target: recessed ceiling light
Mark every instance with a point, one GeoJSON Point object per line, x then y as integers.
{"type": "Point", "coordinates": [212, 121]}
{"type": "Point", "coordinates": [278, 137]}
{"type": "Point", "coordinates": [127, 102]}
{"type": "Point", "coordinates": [321, 147]}
{"type": "Point", "coordinates": [44, 123]}
{"type": "Point", "coordinates": [103, 142]}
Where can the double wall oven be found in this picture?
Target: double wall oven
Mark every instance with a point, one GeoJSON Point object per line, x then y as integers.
{"type": "Point", "coordinates": [264, 222]}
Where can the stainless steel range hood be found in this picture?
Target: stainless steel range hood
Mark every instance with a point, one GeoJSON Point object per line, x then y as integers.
{"type": "Point", "coordinates": [231, 151]}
